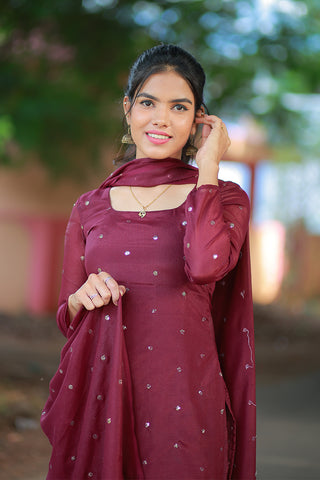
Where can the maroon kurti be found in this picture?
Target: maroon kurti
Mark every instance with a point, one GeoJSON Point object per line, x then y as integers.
{"type": "Point", "coordinates": [162, 386]}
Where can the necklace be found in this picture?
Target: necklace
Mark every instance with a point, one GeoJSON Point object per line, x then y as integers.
{"type": "Point", "coordinates": [143, 212]}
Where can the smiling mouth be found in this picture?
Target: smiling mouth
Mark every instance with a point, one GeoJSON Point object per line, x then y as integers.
{"type": "Point", "coordinates": [159, 137]}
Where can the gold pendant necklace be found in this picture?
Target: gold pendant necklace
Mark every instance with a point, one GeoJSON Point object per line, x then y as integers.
{"type": "Point", "coordinates": [143, 212]}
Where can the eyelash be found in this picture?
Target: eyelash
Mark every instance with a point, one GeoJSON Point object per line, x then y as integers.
{"type": "Point", "coordinates": [144, 103]}
{"type": "Point", "coordinates": [148, 103]}
{"type": "Point", "coordinates": [181, 107]}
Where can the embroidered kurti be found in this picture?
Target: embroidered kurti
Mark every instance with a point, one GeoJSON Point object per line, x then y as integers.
{"type": "Point", "coordinates": [162, 385]}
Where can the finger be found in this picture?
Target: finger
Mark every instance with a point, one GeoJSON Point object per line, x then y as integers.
{"type": "Point", "coordinates": [91, 288]}
{"type": "Point", "coordinates": [217, 127]}
{"type": "Point", "coordinates": [207, 118]}
{"type": "Point", "coordinates": [200, 118]}
{"type": "Point", "coordinates": [103, 291]}
{"type": "Point", "coordinates": [113, 288]}
{"type": "Point", "coordinates": [99, 293]}
{"type": "Point", "coordinates": [217, 124]}
{"type": "Point", "coordinates": [213, 118]}
{"type": "Point", "coordinates": [83, 298]}
{"type": "Point", "coordinates": [122, 289]}
{"type": "Point", "coordinates": [206, 130]}
{"type": "Point", "coordinates": [94, 297]}
{"type": "Point", "coordinates": [213, 122]}
{"type": "Point", "coordinates": [215, 135]}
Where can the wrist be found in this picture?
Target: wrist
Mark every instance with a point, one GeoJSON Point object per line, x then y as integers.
{"type": "Point", "coordinates": [208, 176]}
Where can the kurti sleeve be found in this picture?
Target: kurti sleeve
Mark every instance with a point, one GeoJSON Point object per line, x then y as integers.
{"type": "Point", "coordinates": [217, 250]}
{"type": "Point", "coordinates": [73, 273]}
{"type": "Point", "coordinates": [217, 222]}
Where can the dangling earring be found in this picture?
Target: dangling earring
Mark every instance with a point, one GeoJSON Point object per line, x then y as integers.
{"type": "Point", "coordinates": [190, 150]}
{"type": "Point", "coordinates": [127, 138]}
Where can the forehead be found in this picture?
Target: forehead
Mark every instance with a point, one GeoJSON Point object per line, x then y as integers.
{"type": "Point", "coordinates": [167, 84]}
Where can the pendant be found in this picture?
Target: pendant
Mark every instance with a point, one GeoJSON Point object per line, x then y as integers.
{"type": "Point", "coordinates": [142, 214]}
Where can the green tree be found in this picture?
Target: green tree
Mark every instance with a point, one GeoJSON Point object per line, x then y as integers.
{"type": "Point", "coordinates": [64, 63]}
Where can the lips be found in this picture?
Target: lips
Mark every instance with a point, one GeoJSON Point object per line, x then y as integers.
{"type": "Point", "coordinates": [158, 137]}
{"type": "Point", "coordinates": [155, 135]}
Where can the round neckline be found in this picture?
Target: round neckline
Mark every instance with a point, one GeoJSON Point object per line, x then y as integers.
{"type": "Point", "coordinates": [148, 211]}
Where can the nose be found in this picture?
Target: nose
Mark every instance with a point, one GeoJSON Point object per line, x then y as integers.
{"type": "Point", "coordinates": [161, 117]}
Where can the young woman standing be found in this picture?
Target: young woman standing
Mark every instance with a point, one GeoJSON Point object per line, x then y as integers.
{"type": "Point", "coordinates": [156, 380]}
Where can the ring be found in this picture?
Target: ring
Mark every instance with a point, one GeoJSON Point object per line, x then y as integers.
{"type": "Point", "coordinates": [92, 296]}
{"type": "Point", "coordinates": [108, 278]}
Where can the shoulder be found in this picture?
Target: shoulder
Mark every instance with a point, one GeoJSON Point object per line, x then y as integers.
{"type": "Point", "coordinates": [231, 192]}
{"type": "Point", "coordinates": [90, 198]}
{"type": "Point", "coordinates": [90, 206]}
{"type": "Point", "coordinates": [229, 186]}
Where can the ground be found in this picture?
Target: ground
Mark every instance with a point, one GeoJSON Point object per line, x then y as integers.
{"type": "Point", "coordinates": [288, 377]}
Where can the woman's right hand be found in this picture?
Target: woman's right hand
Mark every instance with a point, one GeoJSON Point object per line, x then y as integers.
{"type": "Point", "coordinates": [97, 291]}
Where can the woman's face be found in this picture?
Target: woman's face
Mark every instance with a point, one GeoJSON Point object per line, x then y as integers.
{"type": "Point", "coordinates": [162, 116]}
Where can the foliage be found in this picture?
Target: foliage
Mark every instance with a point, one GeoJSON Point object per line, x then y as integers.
{"type": "Point", "coordinates": [64, 64]}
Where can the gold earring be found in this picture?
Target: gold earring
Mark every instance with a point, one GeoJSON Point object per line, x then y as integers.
{"type": "Point", "coordinates": [190, 150]}
{"type": "Point", "coordinates": [127, 138]}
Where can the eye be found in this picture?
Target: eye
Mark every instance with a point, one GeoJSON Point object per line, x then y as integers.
{"type": "Point", "coordinates": [180, 108]}
{"type": "Point", "coordinates": [146, 103]}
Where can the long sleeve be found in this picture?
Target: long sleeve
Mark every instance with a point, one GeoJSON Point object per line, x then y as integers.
{"type": "Point", "coordinates": [217, 222]}
{"type": "Point", "coordinates": [217, 249]}
{"type": "Point", "coordinates": [73, 273]}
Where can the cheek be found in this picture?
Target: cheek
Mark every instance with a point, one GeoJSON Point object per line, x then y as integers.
{"type": "Point", "coordinates": [138, 120]}
{"type": "Point", "coordinates": [187, 128]}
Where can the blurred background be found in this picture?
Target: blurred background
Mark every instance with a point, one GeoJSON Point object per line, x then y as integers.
{"type": "Point", "coordinates": [63, 69]}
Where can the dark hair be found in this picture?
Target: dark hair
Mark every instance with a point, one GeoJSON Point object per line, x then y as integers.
{"type": "Point", "coordinates": [162, 58]}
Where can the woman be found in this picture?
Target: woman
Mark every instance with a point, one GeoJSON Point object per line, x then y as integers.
{"type": "Point", "coordinates": [156, 380]}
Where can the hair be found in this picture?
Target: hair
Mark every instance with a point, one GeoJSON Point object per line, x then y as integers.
{"type": "Point", "coordinates": [163, 58]}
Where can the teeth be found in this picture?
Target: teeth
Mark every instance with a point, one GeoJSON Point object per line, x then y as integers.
{"type": "Point", "coordinates": [161, 137]}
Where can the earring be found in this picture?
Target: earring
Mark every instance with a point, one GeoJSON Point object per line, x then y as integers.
{"type": "Point", "coordinates": [127, 138]}
{"type": "Point", "coordinates": [190, 150]}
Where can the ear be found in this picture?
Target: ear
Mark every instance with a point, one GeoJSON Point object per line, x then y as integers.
{"type": "Point", "coordinates": [199, 113]}
{"type": "Point", "coordinates": [126, 108]}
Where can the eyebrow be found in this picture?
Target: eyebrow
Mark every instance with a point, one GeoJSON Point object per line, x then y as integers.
{"type": "Point", "coordinates": [175, 100]}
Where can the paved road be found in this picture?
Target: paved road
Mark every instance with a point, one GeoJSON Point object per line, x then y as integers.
{"type": "Point", "coordinates": [288, 443]}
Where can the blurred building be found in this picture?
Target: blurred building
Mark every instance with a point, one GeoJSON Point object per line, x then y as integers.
{"type": "Point", "coordinates": [34, 211]}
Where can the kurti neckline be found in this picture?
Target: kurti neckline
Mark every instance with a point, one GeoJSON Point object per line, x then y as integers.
{"type": "Point", "coordinates": [166, 210]}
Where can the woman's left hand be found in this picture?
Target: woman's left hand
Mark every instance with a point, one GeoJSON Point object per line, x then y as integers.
{"type": "Point", "coordinates": [214, 143]}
